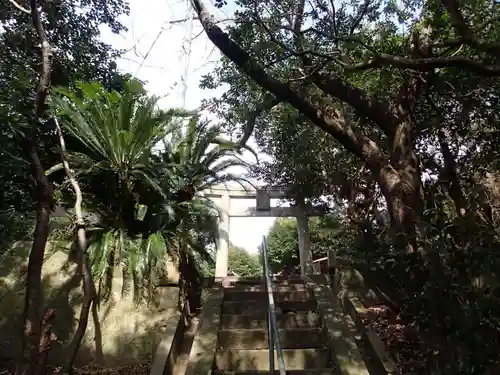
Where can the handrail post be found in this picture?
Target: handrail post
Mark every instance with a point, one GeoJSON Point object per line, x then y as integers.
{"type": "Point", "coordinates": [272, 323]}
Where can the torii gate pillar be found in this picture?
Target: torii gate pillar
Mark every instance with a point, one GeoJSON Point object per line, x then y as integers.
{"type": "Point", "coordinates": [305, 253]}
{"type": "Point", "coordinates": [222, 255]}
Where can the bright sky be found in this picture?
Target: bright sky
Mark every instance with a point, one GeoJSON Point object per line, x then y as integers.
{"type": "Point", "coordinates": [157, 53]}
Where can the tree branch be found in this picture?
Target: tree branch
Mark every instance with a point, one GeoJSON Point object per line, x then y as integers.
{"type": "Point", "coordinates": [383, 59]}
{"type": "Point", "coordinates": [81, 245]}
{"type": "Point", "coordinates": [360, 16]}
{"type": "Point", "coordinates": [21, 8]}
{"type": "Point", "coordinates": [426, 64]}
{"type": "Point", "coordinates": [460, 24]}
{"type": "Point", "coordinates": [375, 110]}
{"type": "Point", "coordinates": [267, 104]}
{"type": "Point", "coordinates": [44, 82]}
{"type": "Point", "coordinates": [357, 144]}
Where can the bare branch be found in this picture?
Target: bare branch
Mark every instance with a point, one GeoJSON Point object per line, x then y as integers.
{"type": "Point", "coordinates": [21, 8]}
{"type": "Point", "coordinates": [81, 244]}
{"type": "Point", "coordinates": [382, 59]}
{"type": "Point", "coordinates": [360, 16]}
{"type": "Point", "coordinates": [333, 85]}
{"type": "Point", "coordinates": [426, 64]}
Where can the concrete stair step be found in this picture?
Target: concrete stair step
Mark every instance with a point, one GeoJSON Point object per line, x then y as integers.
{"type": "Point", "coordinates": [278, 280]}
{"type": "Point", "coordinates": [258, 359]}
{"type": "Point", "coordinates": [258, 338]}
{"type": "Point", "coordinates": [261, 307]}
{"type": "Point", "coordinates": [316, 371]}
{"type": "Point", "coordinates": [262, 288]}
{"type": "Point", "coordinates": [279, 295]}
{"type": "Point", "coordinates": [253, 321]}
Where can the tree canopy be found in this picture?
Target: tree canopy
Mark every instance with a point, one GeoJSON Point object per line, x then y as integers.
{"type": "Point", "coordinates": [384, 112]}
{"type": "Point", "coordinates": [390, 109]}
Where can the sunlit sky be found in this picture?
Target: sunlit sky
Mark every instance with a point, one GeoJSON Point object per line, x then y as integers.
{"type": "Point", "coordinates": [157, 53]}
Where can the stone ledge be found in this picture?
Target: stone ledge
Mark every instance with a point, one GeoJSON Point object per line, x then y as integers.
{"type": "Point", "coordinates": [202, 354]}
{"type": "Point", "coordinates": [345, 352]}
{"type": "Point", "coordinates": [356, 309]}
{"type": "Point", "coordinates": [168, 349]}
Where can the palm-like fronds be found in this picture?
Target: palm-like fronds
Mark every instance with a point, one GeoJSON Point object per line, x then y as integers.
{"type": "Point", "coordinates": [133, 165]}
{"type": "Point", "coordinates": [202, 158]}
{"type": "Point", "coordinates": [139, 260]}
{"type": "Point", "coordinates": [118, 132]}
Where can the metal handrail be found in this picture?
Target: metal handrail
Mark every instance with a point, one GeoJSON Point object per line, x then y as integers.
{"type": "Point", "coordinates": [272, 323]}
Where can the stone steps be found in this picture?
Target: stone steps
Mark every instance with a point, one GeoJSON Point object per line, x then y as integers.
{"type": "Point", "coordinates": [262, 288]}
{"type": "Point", "coordinates": [282, 294]}
{"type": "Point", "coordinates": [318, 371]}
{"type": "Point", "coordinates": [302, 319]}
{"type": "Point", "coordinates": [314, 335]}
{"type": "Point", "coordinates": [260, 307]}
{"type": "Point", "coordinates": [276, 280]}
{"type": "Point", "coordinates": [242, 342]}
{"type": "Point", "coordinates": [258, 359]}
{"type": "Point", "coordinates": [298, 338]}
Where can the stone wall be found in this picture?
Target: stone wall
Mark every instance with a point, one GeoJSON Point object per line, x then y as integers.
{"type": "Point", "coordinates": [120, 332]}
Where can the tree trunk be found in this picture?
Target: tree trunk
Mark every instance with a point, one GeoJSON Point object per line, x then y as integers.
{"type": "Point", "coordinates": [89, 292]}
{"type": "Point", "coordinates": [189, 285]}
{"type": "Point", "coordinates": [401, 184]}
{"type": "Point", "coordinates": [33, 301]}
{"type": "Point", "coordinates": [449, 177]}
{"type": "Point", "coordinates": [404, 206]}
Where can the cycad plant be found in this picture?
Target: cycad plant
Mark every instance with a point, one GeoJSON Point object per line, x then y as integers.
{"type": "Point", "coordinates": [113, 137]}
{"type": "Point", "coordinates": [140, 180]}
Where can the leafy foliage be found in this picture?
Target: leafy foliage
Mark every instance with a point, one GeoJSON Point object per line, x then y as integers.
{"type": "Point", "coordinates": [73, 30]}
{"type": "Point", "coordinates": [242, 263]}
{"type": "Point", "coordinates": [326, 233]}
{"type": "Point", "coordinates": [140, 176]}
{"type": "Point", "coordinates": [406, 95]}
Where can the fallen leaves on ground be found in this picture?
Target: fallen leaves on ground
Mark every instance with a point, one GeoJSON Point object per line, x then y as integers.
{"type": "Point", "coordinates": [139, 369]}
{"type": "Point", "coordinates": [411, 352]}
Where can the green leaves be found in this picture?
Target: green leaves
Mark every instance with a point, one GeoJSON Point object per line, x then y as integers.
{"type": "Point", "coordinates": [140, 175]}
{"type": "Point", "coordinates": [119, 128]}
{"type": "Point", "coordinates": [326, 233]}
{"type": "Point", "coordinates": [242, 263]}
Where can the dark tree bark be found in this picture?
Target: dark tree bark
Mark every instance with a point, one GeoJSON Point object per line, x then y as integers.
{"type": "Point", "coordinates": [397, 171]}
{"type": "Point", "coordinates": [449, 177]}
{"type": "Point", "coordinates": [190, 284]}
{"type": "Point", "coordinates": [34, 295]}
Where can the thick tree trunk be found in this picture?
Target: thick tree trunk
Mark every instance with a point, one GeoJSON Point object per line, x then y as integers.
{"type": "Point", "coordinates": [401, 184]}
{"type": "Point", "coordinates": [449, 176]}
{"type": "Point", "coordinates": [402, 193]}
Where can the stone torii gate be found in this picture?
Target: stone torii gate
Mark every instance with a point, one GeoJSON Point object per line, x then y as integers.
{"type": "Point", "coordinates": [223, 195]}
